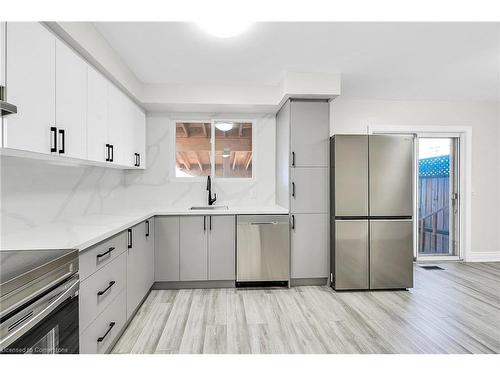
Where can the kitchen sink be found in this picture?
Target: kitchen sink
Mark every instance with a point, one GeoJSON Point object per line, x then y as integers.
{"type": "Point", "coordinates": [209, 208]}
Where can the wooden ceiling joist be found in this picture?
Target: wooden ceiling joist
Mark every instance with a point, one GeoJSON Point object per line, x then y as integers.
{"type": "Point", "coordinates": [249, 160]}
{"type": "Point", "coordinates": [198, 161]}
{"type": "Point", "coordinates": [184, 160]}
{"type": "Point", "coordinates": [240, 133]}
{"type": "Point", "coordinates": [201, 144]}
{"type": "Point", "coordinates": [234, 160]}
{"type": "Point", "coordinates": [204, 127]}
{"type": "Point", "coordinates": [185, 129]}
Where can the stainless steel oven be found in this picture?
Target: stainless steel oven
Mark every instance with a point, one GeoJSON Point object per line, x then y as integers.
{"type": "Point", "coordinates": [39, 302]}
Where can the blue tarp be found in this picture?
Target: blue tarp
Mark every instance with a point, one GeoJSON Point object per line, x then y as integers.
{"type": "Point", "coordinates": [437, 166]}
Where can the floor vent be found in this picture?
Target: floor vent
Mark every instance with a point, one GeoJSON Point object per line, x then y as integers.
{"type": "Point", "coordinates": [431, 268]}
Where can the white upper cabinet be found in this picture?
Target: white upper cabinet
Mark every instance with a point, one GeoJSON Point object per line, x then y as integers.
{"type": "Point", "coordinates": [65, 107]}
{"type": "Point", "coordinates": [140, 137]}
{"type": "Point", "coordinates": [97, 116]}
{"type": "Point", "coordinates": [31, 87]}
{"type": "Point", "coordinates": [71, 102]}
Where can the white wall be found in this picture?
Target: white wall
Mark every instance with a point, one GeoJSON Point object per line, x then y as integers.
{"type": "Point", "coordinates": [157, 188]}
{"type": "Point", "coordinates": [354, 116]}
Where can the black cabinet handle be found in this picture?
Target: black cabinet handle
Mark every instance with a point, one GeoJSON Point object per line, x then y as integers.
{"type": "Point", "coordinates": [293, 159]}
{"type": "Point", "coordinates": [112, 157]}
{"type": "Point", "coordinates": [111, 283]}
{"type": "Point", "coordinates": [147, 228]}
{"type": "Point", "coordinates": [204, 223]}
{"type": "Point", "coordinates": [293, 189]}
{"type": "Point", "coordinates": [107, 152]}
{"type": "Point", "coordinates": [53, 133]}
{"type": "Point", "coordinates": [111, 325]}
{"type": "Point", "coordinates": [210, 218]}
{"type": "Point", "coordinates": [63, 141]}
{"type": "Point", "coordinates": [129, 245]}
{"type": "Point", "coordinates": [135, 156]}
{"type": "Point", "coordinates": [138, 160]}
{"type": "Point", "coordinates": [105, 253]}
{"type": "Point", "coordinates": [293, 221]}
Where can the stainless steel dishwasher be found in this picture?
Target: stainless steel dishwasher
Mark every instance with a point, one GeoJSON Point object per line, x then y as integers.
{"type": "Point", "coordinates": [263, 250]}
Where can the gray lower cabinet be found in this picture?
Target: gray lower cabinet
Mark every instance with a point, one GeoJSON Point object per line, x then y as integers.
{"type": "Point", "coordinates": [221, 248]}
{"type": "Point", "coordinates": [98, 291]}
{"type": "Point", "coordinates": [309, 190]}
{"type": "Point", "coordinates": [193, 248]}
{"type": "Point", "coordinates": [167, 248]}
{"type": "Point", "coordinates": [100, 335]}
{"type": "Point", "coordinates": [309, 246]}
{"type": "Point", "coordinates": [140, 263]}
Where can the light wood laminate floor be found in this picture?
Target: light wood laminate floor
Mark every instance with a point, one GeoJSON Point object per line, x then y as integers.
{"type": "Point", "coordinates": [452, 311]}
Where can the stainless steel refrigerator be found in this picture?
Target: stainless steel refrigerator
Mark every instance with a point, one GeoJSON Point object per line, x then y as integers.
{"type": "Point", "coordinates": [371, 185]}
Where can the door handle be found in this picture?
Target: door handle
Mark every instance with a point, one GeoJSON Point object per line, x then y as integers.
{"type": "Point", "coordinates": [138, 160]}
{"type": "Point", "coordinates": [105, 253]}
{"type": "Point", "coordinates": [147, 228]}
{"type": "Point", "coordinates": [129, 245]}
{"type": "Point", "coordinates": [204, 223]}
{"type": "Point", "coordinates": [53, 133]}
{"type": "Point", "coordinates": [63, 141]}
{"type": "Point", "coordinates": [293, 189]}
{"type": "Point", "coordinates": [210, 225]}
{"type": "Point", "coordinates": [101, 292]}
{"type": "Point", "coordinates": [293, 221]}
{"type": "Point", "coordinates": [293, 159]}
{"type": "Point", "coordinates": [107, 152]}
{"type": "Point", "coordinates": [112, 157]}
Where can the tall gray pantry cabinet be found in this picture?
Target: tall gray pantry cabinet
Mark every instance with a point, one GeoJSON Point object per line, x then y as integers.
{"type": "Point", "coordinates": [302, 162]}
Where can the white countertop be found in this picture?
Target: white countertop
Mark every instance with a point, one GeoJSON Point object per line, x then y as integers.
{"type": "Point", "coordinates": [83, 232]}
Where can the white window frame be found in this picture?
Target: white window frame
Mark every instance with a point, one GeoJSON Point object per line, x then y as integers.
{"type": "Point", "coordinates": [212, 121]}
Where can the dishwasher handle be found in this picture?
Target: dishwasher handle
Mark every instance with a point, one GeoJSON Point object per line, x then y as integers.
{"type": "Point", "coordinates": [265, 223]}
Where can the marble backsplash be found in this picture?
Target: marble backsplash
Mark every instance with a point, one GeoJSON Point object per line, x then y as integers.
{"type": "Point", "coordinates": [36, 193]}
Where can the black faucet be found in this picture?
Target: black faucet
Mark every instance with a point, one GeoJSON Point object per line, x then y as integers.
{"type": "Point", "coordinates": [209, 188]}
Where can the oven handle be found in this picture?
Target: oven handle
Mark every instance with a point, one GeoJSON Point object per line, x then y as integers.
{"type": "Point", "coordinates": [67, 290]}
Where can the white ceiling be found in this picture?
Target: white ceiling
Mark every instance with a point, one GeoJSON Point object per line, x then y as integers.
{"type": "Point", "coordinates": [399, 61]}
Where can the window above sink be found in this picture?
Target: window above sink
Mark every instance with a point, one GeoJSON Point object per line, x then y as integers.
{"type": "Point", "coordinates": [220, 148]}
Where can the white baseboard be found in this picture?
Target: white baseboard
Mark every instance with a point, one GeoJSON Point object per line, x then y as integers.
{"type": "Point", "coordinates": [483, 256]}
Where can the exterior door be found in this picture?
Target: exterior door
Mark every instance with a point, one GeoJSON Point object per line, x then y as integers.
{"type": "Point", "coordinates": [31, 87]}
{"type": "Point", "coordinates": [351, 175]}
{"type": "Point", "coordinates": [221, 248]}
{"type": "Point", "coordinates": [351, 254]}
{"type": "Point", "coordinates": [438, 197]}
{"type": "Point", "coordinates": [193, 248]}
{"type": "Point", "coordinates": [391, 175]}
{"type": "Point", "coordinates": [309, 132]}
{"type": "Point", "coordinates": [391, 254]}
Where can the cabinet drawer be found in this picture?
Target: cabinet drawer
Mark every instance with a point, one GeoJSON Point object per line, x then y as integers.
{"type": "Point", "coordinates": [99, 290]}
{"type": "Point", "coordinates": [101, 254]}
{"type": "Point", "coordinates": [101, 334]}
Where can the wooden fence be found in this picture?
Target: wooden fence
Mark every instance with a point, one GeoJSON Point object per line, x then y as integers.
{"type": "Point", "coordinates": [434, 215]}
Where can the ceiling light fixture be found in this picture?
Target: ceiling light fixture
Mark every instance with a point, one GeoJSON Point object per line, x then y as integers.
{"type": "Point", "coordinates": [224, 126]}
{"type": "Point", "coordinates": [223, 29]}
{"type": "Point", "coordinates": [226, 153]}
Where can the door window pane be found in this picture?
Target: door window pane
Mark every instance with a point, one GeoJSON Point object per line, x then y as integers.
{"type": "Point", "coordinates": [192, 149]}
{"type": "Point", "coordinates": [233, 149]}
{"type": "Point", "coordinates": [437, 196]}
